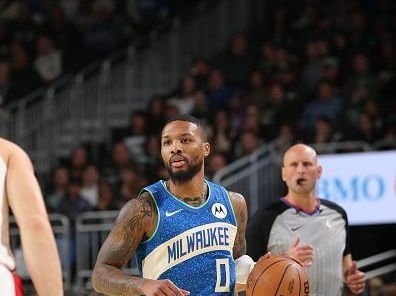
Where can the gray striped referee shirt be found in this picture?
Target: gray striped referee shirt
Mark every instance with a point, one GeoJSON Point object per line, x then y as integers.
{"type": "Point", "coordinates": [276, 227]}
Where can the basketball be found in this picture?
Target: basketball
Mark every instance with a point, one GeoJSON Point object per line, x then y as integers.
{"type": "Point", "coordinates": [277, 276]}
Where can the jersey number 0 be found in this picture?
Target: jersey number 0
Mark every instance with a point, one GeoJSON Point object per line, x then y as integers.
{"type": "Point", "coordinates": [223, 275]}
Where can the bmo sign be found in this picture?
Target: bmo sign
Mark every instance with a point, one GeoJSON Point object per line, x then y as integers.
{"type": "Point", "coordinates": [364, 184]}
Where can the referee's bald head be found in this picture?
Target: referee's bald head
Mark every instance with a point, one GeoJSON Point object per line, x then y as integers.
{"type": "Point", "coordinates": [300, 149]}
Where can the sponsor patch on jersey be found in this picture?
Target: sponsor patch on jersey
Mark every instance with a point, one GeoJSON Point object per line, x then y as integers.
{"type": "Point", "coordinates": [219, 210]}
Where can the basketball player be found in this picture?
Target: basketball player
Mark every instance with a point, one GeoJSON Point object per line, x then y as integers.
{"type": "Point", "coordinates": [19, 190]}
{"type": "Point", "coordinates": [310, 229]}
{"type": "Point", "coordinates": [186, 231]}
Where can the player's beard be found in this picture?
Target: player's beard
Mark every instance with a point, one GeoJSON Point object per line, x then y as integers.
{"type": "Point", "coordinates": [184, 176]}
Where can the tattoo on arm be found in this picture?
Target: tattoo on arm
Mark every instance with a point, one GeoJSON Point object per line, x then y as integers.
{"type": "Point", "coordinates": [133, 224]}
{"type": "Point", "coordinates": [240, 209]}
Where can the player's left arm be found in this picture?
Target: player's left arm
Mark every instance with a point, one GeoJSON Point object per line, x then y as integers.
{"type": "Point", "coordinates": [240, 210]}
{"type": "Point", "coordinates": [353, 277]}
{"type": "Point", "coordinates": [243, 262]}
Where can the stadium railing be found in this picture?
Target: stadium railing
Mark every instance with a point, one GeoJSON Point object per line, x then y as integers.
{"type": "Point", "coordinates": [387, 258]}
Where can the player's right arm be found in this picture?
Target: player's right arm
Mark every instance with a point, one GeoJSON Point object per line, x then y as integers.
{"type": "Point", "coordinates": [136, 221]}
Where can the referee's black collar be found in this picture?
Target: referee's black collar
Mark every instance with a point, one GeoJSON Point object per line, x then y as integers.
{"type": "Point", "coordinates": [298, 209]}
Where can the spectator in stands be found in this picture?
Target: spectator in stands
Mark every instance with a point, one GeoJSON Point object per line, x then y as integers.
{"type": "Point", "coordinates": [218, 92]}
{"type": "Point", "coordinates": [106, 201]}
{"type": "Point", "coordinates": [365, 130]}
{"type": "Point", "coordinates": [4, 80]}
{"type": "Point", "coordinates": [277, 111]}
{"type": "Point", "coordinates": [147, 13]}
{"type": "Point", "coordinates": [326, 104]}
{"type": "Point", "coordinates": [121, 158]}
{"type": "Point", "coordinates": [312, 71]}
{"type": "Point", "coordinates": [236, 63]}
{"type": "Point", "coordinates": [201, 107]}
{"type": "Point", "coordinates": [24, 28]}
{"type": "Point", "coordinates": [131, 184]}
{"type": "Point", "coordinates": [362, 75]}
{"type": "Point", "coordinates": [223, 135]}
{"type": "Point", "coordinates": [323, 132]}
{"type": "Point", "coordinates": [340, 48]}
{"type": "Point", "coordinates": [48, 62]}
{"type": "Point", "coordinates": [248, 142]}
{"type": "Point", "coordinates": [56, 191]}
{"type": "Point", "coordinates": [266, 58]}
{"type": "Point", "coordinates": [78, 161]}
{"type": "Point", "coordinates": [155, 112]}
{"type": "Point", "coordinates": [99, 34]}
{"type": "Point", "coordinates": [66, 36]}
{"type": "Point", "coordinates": [251, 121]}
{"type": "Point", "coordinates": [355, 105]}
{"type": "Point", "coordinates": [24, 79]}
{"type": "Point", "coordinates": [184, 100]}
{"type": "Point", "coordinates": [372, 109]}
{"type": "Point", "coordinates": [72, 205]}
{"type": "Point", "coordinates": [152, 156]}
{"type": "Point", "coordinates": [215, 162]}
{"type": "Point", "coordinates": [358, 32]}
{"type": "Point", "coordinates": [282, 62]}
{"type": "Point", "coordinates": [387, 59]}
{"type": "Point", "coordinates": [200, 70]}
{"type": "Point", "coordinates": [331, 72]}
{"type": "Point", "coordinates": [257, 94]}
{"type": "Point", "coordinates": [90, 184]}
{"type": "Point", "coordinates": [236, 111]}
{"type": "Point", "coordinates": [286, 137]}
{"type": "Point", "coordinates": [9, 10]}
{"type": "Point", "coordinates": [136, 135]}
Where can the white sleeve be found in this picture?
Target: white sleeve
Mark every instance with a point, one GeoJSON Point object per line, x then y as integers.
{"type": "Point", "coordinates": [243, 266]}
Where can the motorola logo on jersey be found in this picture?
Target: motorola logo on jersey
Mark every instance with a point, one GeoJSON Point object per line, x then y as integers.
{"type": "Point", "coordinates": [219, 210]}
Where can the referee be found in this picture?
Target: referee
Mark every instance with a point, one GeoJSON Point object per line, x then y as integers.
{"type": "Point", "coordinates": [310, 229]}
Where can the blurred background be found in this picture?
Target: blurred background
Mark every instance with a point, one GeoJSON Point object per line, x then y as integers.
{"type": "Point", "coordinates": [86, 86]}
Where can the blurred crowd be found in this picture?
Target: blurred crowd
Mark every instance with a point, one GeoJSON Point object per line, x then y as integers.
{"type": "Point", "coordinates": [42, 40]}
{"type": "Point", "coordinates": [313, 73]}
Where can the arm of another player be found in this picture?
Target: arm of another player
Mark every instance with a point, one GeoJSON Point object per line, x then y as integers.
{"type": "Point", "coordinates": [354, 278]}
{"type": "Point", "coordinates": [38, 243]}
{"type": "Point", "coordinates": [135, 221]}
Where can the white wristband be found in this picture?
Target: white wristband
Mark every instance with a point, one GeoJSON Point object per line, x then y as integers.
{"type": "Point", "coordinates": [243, 267]}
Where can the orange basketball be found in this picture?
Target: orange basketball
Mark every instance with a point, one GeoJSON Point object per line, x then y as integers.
{"type": "Point", "coordinates": [277, 276]}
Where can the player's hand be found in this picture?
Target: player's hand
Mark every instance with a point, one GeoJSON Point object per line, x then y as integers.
{"type": "Point", "coordinates": [302, 253]}
{"type": "Point", "coordinates": [162, 288]}
{"type": "Point", "coordinates": [355, 279]}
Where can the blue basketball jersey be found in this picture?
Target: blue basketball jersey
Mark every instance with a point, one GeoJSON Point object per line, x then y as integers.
{"type": "Point", "coordinates": [191, 246]}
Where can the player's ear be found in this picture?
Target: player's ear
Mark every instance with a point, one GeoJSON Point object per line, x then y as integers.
{"type": "Point", "coordinates": [319, 172]}
{"type": "Point", "coordinates": [206, 149]}
{"type": "Point", "coordinates": [283, 173]}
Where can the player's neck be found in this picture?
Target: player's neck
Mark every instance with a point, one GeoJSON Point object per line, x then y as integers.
{"type": "Point", "coordinates": [307, 202]}
{"type": "Point", "coordinates": [193, 192]}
